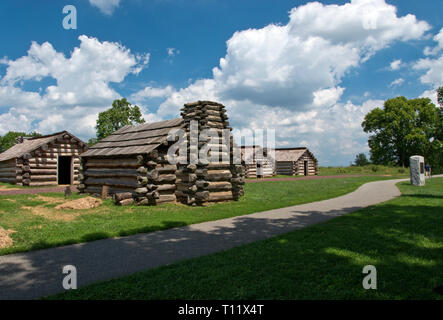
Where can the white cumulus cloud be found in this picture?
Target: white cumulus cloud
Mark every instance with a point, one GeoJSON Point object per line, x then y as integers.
{"type": "Point", "coordinates": [81, 89]}
{"type": "Point", "coordinates": [439, 47]}
{"type": "Point", "coordinates": [151, 92]}
{"type": "Point", "coordinates": [327, 97]}
{"type": "Point", "coordinates": [395, 65]}
{"type": "Point", "coordinates": [397, 82]}
{"type": "Point", "coordinates": [172, 52]}
{"type": "Point", "coordinates": [433, 67]}
{"type": "Point", "coordinates": [433, 76]}
{"type": "Point", "coordinates": [107, 7]}
{"type": "Point", "coordinates": [288, 77]}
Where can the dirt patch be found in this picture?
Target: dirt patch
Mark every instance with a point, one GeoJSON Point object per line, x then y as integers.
{"type": "Point", "coordinates": [10, 200]}
{"type": "Point", "coordinates": [50, 200]}
{"type": "Point", "coordinates": [80, 204]}
{"type": "Point", "coordinates": [52, 214]}
{"type": "Point", "coordinates": [47, 213]}
{"type": "Point", "coordinates": [35, 227]}
{"type": "Point", "coordinates": [8, 188]}
{"type": "Point", "coordinates": [5, 239]}
{"type": "Point", "coordinates": [62, 212]}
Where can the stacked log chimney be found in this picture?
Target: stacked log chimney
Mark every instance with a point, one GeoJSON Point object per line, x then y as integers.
{"type": "Point", "coordinates": [203, 181]}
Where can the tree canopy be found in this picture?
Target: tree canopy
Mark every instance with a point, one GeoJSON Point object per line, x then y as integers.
{"type": "Point", "coordinates": [361, 160]}
{"type": "Point", "coordinates": [437, 156]}
{"type": "Point", "coordinates": [440, 96]}
{"type": "Point", "coordinates": [402, 128]}
{"type": "Point", "coordinates": [121, 113]}
{"type": "Point", "coordinates": [8, 140]}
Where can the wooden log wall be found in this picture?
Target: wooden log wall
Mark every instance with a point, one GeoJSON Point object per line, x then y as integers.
{"type": "Point", "coordinates": [267, 168]}
{"type": "Point", "coordinates": [118, 173]}
{"type": "Point", "coordinates": [285, 167]}
{"type": "Point", "coordinates": [251, 169]}
{"type": "Point", "coordinates": [156, 180]}
{"type": "Point", "coordinates": [147, 179]}
{"type": "Point", "coordinates": [9, 172]}
{"type": "Point", "coordinates": [214, 181]}
{"type": "Point", "coordinates": [299, 165]}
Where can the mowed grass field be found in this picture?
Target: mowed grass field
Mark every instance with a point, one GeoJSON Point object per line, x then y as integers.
{"type": "Point", "coordinates": [371, 169]}
{"type": "Point", "coordinates": [34, 222]}
{"type": "Point", "coordinates": [402, 238]}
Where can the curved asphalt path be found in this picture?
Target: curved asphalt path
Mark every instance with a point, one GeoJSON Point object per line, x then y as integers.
{"type": "Point", "coordinates": [39, 273]}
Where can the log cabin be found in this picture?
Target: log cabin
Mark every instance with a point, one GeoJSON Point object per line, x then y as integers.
{"type": "Point", "coordinates": [295, 161]}
{"type": "Point", "coordinates": [134, 165]}
{"type": "Point", "coordinates": [47, 160]}
{"type": "Point", "coordinates": [256, 162]}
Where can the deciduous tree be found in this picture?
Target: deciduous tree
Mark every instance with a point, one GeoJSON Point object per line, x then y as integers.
{"type": "Point", "coordinates": [401, 129]}
{"type": "Point", "coordinates": [361, 160]}
{"type": "Point", "coordinates": [121, 113]}
{"type": "Point", "coordinates": [8, 140]}
{"type": "Point", "coordinates": [440, 96]}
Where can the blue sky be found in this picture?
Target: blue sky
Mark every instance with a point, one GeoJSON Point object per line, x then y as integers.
{"type": "Point", "coordinates": [309, 70]}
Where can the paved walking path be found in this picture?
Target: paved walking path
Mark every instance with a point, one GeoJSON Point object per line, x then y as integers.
{"type": "Point", "coordinates": [39, 273]}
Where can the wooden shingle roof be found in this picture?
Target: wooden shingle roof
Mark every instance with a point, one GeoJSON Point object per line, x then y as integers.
{"type": "Point", "coordinates": [132, 140]}
{"type": "Point", "coordinates": [30, 144]}
{"type": "Point", "coordinates": [280, 154]}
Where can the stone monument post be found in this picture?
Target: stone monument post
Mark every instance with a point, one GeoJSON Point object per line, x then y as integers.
{"type": "Point", "coordinates": [417, 164]}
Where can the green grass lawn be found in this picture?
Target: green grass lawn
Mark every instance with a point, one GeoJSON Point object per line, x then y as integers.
{"type": "Point", "coordinates": [403, 238]}
{"type": "Point", "coordinates": [364, 170]}
{"type": "Point", "coordinates": [4, 185]}
{"type": "Point", "coordinates": [372, 170]}
{"type": "Point", "coordinates": [37, 231]}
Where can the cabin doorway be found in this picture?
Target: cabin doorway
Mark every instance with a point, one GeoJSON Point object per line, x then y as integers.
{"type": "Point", "coordinates": [259, 169]}
{"type": "Point", "coordinates": [64, 172]}
{"type": "Point", "coordinates": [305, 168]}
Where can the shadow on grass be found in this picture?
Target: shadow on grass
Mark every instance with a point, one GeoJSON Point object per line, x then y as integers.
{"type": "Point", "coordinates": [94, 236]}
{"type": "Point", "coordinates": [427, 196]}
{"type": "Point", "coordinates": [323, 261]}
{"type": "Point", "coordinates": [42, 244]}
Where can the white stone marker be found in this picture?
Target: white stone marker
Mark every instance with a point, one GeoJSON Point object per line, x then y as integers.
{"type": "Point", "coordinates": [417, 164]}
